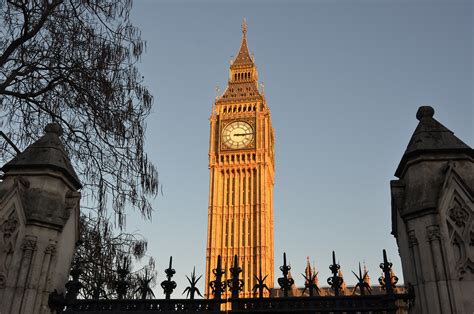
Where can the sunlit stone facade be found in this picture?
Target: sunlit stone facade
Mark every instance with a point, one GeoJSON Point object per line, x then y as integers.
{"type": "Point", "coordinates": [241, 165]}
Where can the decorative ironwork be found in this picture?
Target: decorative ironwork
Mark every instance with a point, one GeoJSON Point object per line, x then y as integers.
{"type": "Point", "coordinates": [335, 281]}
{"type": "Point", "coordinates": [123, 270]}
{"type": "Point", "coordinates": [217, 286]}
{"type": "Point", "coordinates": [310, 284]}
{"type": "Point", "coordinates": [192, 289]}
{"type": "Point", "coordinates": [56, 301]}
{"type": "Point", "coordinates": [362, 282]}
{"type": "Point", "coordinates": [260, 285]}
{"type": "Point", "coordinates": [143, 306]}
{"type": "Point", "coordinates": [386, 267]}
{"type": "Point", "coordinates": [168, 285]}
{"type": "Point", "coordinates": [387, 303]}
{"type": "Point", "coordinates": [380, 303]}
{"type": "Point", "coordinates": [285, 282]}
{"type": "Point", "coordinates": [73, 286]}
{"type": "Point", "coordinates": [235, 284]}
{"type": "Point", "coordinates": [144, 285]}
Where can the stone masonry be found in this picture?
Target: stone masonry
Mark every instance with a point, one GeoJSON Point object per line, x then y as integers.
{"type": "Point", "coordinates": [433, 218]}
{"type": "Point", "coordinates": [39, 216]}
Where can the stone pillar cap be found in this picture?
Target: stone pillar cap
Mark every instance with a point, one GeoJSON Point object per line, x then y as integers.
{"type": "Point", "coordinates": [429, 137]}
{"type": "Point", "coordinates": [47, 152]}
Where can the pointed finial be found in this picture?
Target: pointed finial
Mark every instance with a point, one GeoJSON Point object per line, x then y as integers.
{"type": "Point", "coordinates": [54, 128]}
{"type": "Point", "coordinates": [425, 112]}
{"type": "Point", "coordinates": [218, 90]}
{"type": "Point", "coordinates": [244, 27]}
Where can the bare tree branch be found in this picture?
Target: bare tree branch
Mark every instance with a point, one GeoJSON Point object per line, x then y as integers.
{"type": "Point", "coordinates": [74, 62]}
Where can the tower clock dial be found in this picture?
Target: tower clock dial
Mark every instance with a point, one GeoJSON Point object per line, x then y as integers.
{"type": "Point", "coordinates": [237, 134]}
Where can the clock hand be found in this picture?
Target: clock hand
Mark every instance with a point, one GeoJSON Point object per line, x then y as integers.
{"type": "Point", "coordinates": [242, 134]}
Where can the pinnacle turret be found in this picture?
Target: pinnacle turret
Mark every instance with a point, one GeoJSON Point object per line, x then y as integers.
{"type": "Point", "coordinates": [343, 285]}
{"type": "Point", "coordinates": [47, 152]}
{"type": "Point", "coordinates": [430, 136]}
{"type": "Point", "coordinates": [366, 275]}
{"type": "Point", "coordinates": [308, 271]}
{"type": "Point", "coordinates": [243, 58]}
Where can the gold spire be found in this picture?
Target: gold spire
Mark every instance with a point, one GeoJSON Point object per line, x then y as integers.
{"type": "Point", "coordinates": [243, 75]}
{"type": "Point", "coordinates": [243, 58]}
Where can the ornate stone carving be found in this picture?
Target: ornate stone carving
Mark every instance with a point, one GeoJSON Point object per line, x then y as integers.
{"type": "Point", "coordinates": [9, 227]}
{"type": "Point", "coordinates": [29, 243]}
{"type": "Point", "coordinates": [459, 215]}
{"type": "Point", "coordinates": [51, 248]}
{"type": "Point", "coordinates": [459, 221]}
{"type": "Point", "coordinates": [466, 269]}
{"type": "Point", "coordinates": [9, 230]}
{"type": "Point", "coordinates": [433, 233]}
{"type": "Point", "coordinates": [412, 240]}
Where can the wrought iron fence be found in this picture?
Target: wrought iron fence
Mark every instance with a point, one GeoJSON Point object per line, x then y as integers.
{"type": "Point", "coordinates": [389, 302]}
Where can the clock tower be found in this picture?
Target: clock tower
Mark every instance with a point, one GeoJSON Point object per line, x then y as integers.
{"type": "Point", "coordinates": [241, 170]}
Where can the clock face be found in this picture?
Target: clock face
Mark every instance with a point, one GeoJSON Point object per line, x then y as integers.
{"type": "Point", "coordinates": [237, 134]}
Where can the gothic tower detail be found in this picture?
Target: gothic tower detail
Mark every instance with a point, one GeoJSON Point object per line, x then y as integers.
{"type": "Point", "coordinates": [241, 170]}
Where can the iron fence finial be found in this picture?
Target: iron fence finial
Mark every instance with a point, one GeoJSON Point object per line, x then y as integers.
{"type": "Point", "coordinates": [335, 281]}
{"type": "Point", "coordinates": [168, 285]}
{"type": "Point", "coordinates": [388, 280]}
{"type": "Point", "coordinates": [192, 289]}
{"type": "Point", "coordinates": [235, 284]}
{"type": "Point", "coordinates": [285, 282]}
{"type": "Point", "coordinates": [217, 286]}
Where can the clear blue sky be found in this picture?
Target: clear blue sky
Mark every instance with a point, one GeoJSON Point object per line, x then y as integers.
{"type": "Point", "coordinates": [343, 80]}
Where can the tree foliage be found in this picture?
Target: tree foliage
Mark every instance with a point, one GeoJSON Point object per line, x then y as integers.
{"type": "Point", "coordinates": [74, 62]}
{"type": "Point", "coordinates": [101, 255]}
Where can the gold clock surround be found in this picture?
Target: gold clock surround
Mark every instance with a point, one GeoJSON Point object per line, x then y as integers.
{"type": "Point", "coordinates": [237, 134]}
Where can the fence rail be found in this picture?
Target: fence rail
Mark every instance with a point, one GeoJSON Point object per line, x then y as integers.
{"type": "Point", "coordinates": [143, 306]}
{"type": "Point", "coordinates": [389, 302]}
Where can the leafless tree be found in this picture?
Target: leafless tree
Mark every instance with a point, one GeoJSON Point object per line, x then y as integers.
{"type": "Point", "coordinates": [74, 62]}
{"type": "Point", "coordinates": [101, 254]}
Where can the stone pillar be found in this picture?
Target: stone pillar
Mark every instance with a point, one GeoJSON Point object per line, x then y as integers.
{"type": "Point", "coordinates": [39, 224]}
{"type": "Point", "coordinates": [433, 218]}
